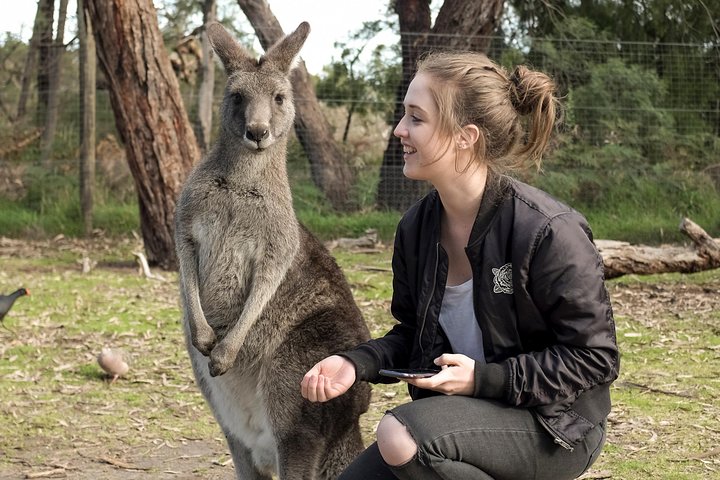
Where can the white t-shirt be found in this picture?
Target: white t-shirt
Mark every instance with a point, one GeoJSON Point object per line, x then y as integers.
{"type": "Point", "coordinates": [457, 319]}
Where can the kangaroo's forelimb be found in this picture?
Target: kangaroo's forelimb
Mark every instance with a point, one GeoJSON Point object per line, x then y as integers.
{"type": "Point", "coordinates": [268, 272]}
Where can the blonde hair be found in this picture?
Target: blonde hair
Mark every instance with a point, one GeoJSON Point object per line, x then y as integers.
{"type": "Point", "coordinates": [516, 113]}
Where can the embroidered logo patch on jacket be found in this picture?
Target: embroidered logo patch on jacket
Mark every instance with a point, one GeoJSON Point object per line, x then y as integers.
{"type": "Point", "coordinates": [503, 279]}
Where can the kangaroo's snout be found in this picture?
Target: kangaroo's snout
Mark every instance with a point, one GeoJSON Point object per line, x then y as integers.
{"type": "Point", "coordinates": [257, 133]}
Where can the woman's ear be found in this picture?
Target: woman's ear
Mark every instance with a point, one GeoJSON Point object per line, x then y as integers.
{"type": "Point", "coordinates": [469, 136]}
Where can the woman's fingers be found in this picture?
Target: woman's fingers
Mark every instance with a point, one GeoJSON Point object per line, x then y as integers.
{"type": "Point", "coordinates": [451, 359]}
{"type": "Point", "coordinates": [457, 376]}
{"type": "Point", "coordinates": [316, 388]}
{"type": "Point", "coordinates": [309, 387]}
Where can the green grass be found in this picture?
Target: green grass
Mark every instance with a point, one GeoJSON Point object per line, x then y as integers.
{"type": "Point", "coordinates": [664, 422]}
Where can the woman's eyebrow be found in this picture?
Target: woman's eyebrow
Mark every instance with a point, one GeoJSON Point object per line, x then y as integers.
{"type": "Point", "coordinates": [412, 106]}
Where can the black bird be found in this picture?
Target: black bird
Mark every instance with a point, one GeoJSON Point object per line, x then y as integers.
{"type": "Point", "coordinates": [6, 302]}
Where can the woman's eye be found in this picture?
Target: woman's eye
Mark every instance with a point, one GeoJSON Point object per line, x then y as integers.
{"type": "Point", "coordinates": [415, 119]}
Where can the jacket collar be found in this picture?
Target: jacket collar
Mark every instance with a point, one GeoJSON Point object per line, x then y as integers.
{"type": "Point", "coordinates": [496, 190]}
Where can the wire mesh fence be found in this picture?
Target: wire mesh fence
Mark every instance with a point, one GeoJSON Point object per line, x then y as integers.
{"type": "Point", "coordinates": [645, 103]}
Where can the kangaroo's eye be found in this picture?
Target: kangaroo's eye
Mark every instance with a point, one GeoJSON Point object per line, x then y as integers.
{"type": "Point", "coordinates": [279, 99]}
{"type": "Point", "coordinates": [237, 98]}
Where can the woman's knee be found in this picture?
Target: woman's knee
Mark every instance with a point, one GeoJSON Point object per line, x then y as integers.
{"type": "Point", "coordinates": [395, 443]}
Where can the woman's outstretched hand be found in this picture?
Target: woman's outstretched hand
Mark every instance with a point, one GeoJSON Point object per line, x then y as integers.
{"type": "Point", "coordinates": [457, 376]}
{"type": "Point", "coordinates": [328, 379]}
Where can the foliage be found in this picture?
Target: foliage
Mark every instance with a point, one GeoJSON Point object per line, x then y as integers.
{"type": "Point", "coordinates": [569, 57]}
{"type": "Point", "coordinates": [620, 105]}
{"type": "Point", "coordinates": [361, 88]}
{"type": "Point", "coordinates": [648, 21]}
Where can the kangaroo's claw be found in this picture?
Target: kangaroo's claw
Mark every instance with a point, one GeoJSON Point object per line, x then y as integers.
{"type": "Point", "coordinates": [204, 340]}
{"type": "Point", "coordinates": [221, 359]}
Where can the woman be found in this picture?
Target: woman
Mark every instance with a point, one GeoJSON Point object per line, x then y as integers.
{"type": "Point", "coordinates": [495, 283]}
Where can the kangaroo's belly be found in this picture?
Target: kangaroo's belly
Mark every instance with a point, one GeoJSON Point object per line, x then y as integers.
{"type": "Point", "coordinates": [239, 407]}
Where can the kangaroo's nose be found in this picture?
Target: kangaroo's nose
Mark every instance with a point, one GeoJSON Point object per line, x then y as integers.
{"type": "Point", "coordinates": [257, 133]}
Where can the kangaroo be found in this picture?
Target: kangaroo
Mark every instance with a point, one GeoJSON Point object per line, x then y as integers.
{"type": "Point", "coordinates": [263, 299]}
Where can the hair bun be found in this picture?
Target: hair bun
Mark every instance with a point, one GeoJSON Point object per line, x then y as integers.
{"type": "Point", "coordinates": [529, 89]}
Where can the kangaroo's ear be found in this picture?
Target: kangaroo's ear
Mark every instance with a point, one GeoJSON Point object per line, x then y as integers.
{"type": "Point", "coordinates": [284, 52]}
{"type": "Point", "coordinates": [233, 55]}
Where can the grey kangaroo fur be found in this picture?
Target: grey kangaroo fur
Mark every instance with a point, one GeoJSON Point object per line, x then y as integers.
{"type": "Point", "coordinates": [263, 299]}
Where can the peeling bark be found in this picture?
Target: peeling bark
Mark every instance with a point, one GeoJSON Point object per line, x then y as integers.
{"type": "Point", "coordinates": [149, 114]}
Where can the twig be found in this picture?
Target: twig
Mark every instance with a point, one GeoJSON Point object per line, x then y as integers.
{"type": "Point", "coordinates": [595, 475]}
{"type": "Point", "coordinates": [654, 390]}
{"type": "Point", "coordinates": [370, 268]}
{"type": "Point", "coordinates": [708, 454]}
{"type": "Point", "coordinates": [47, 473]}
{"type": "Point", "coordinates": [121, 464]}
{"type": "Point", "coordinates": [145, 268]}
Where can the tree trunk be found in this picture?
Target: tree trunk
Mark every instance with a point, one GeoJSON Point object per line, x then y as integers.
{"type": "Point", "coordinates": [149, 114]}
{"type": "Point", "coordinates": [460, 25]}
{"type": "Point", "coordinates": [54, 84]}
{"type": "Point", "coordinates": [88, 65]}
{"type": "Point", "coordinates": [328, 166]}
{"type": "Point", "coordinates": [30, 62]}
{"type": "Point", "coordinates": [622, 258]}
{"type": "Point", "coordinates": [395, 191]}
{"type": "Point", "coordinates": [45, 47]}
{"type": "Point", "coordinates": [207, 82]}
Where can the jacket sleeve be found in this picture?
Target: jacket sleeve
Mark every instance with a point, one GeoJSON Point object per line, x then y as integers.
{"type": "Point", "coordinates": [566, 284]}
{"type": "Point", "coordinates": [393, 349]}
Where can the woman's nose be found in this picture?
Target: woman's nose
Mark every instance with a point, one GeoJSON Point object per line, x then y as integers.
{"type": "Point", "coordinates": [399, 130]}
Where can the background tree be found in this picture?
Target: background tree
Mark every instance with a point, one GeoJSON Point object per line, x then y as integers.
{"type": "Point", "coordinates": [149, 115]}
{"type": "Point", "coordinates": [88, 66]}
{"type": "Point", "coordinates": [329, 168]}
{"type": "Point", "coordinates": [207, 79]}
{"type": "Point", "coordinates": [45, 50]}
{"type": "Point", "coordinates": [31, 59]}
{"type": "Point", "coordinates": [55, 70]}
{"type": "Point", "coordinates": [460, 24]}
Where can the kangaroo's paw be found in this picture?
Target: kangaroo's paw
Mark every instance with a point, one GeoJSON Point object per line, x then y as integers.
{"type": "Point", "coordinates": [204, 340]}
{"type": "Point", "coordinates": [221, 359]}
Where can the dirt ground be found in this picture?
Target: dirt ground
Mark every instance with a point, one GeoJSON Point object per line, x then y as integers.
{"type": "Point", "coordinates": [144, 456]}
{"type": "Point", "coordinates": [92, 462]}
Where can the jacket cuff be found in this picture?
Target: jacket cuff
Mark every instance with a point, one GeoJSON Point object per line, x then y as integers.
{"type": "Point", "coordinates": [366, 363]}
{"type": "Point", "coordinates": [490, 380]}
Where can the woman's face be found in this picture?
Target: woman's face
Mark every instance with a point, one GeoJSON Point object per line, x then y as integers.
{"type": "Point", "coordinates": [426, 152]}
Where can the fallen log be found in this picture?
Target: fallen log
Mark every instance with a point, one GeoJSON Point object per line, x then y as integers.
{"type": "Point", "coordinates": [623, 258]}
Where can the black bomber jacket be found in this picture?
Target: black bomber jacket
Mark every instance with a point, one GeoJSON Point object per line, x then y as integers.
{"type": "Point", "coordinates": [539, 297]}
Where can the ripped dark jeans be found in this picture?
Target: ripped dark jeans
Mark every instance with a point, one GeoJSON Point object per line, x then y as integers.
{"type": "Point", "coordinates": [463, 438]}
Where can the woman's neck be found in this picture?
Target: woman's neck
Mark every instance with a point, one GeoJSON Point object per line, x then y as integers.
{"type": "Point", "coordinates": [461, 196]}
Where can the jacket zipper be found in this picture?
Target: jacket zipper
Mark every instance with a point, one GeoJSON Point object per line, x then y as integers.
{"type": "Point", "coordinates": [427, 305]}
{"type": "Point", "coordinates": [555, 436]}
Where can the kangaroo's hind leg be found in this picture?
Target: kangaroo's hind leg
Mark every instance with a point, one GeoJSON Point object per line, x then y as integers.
{"type": "Point", "coordinates": [243, 461]}
{"type": "Point", "coordinates": [300, 456]}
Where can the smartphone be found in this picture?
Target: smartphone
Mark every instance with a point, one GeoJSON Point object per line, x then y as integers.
{"type": "Point", "coordinates": [408, 372]}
